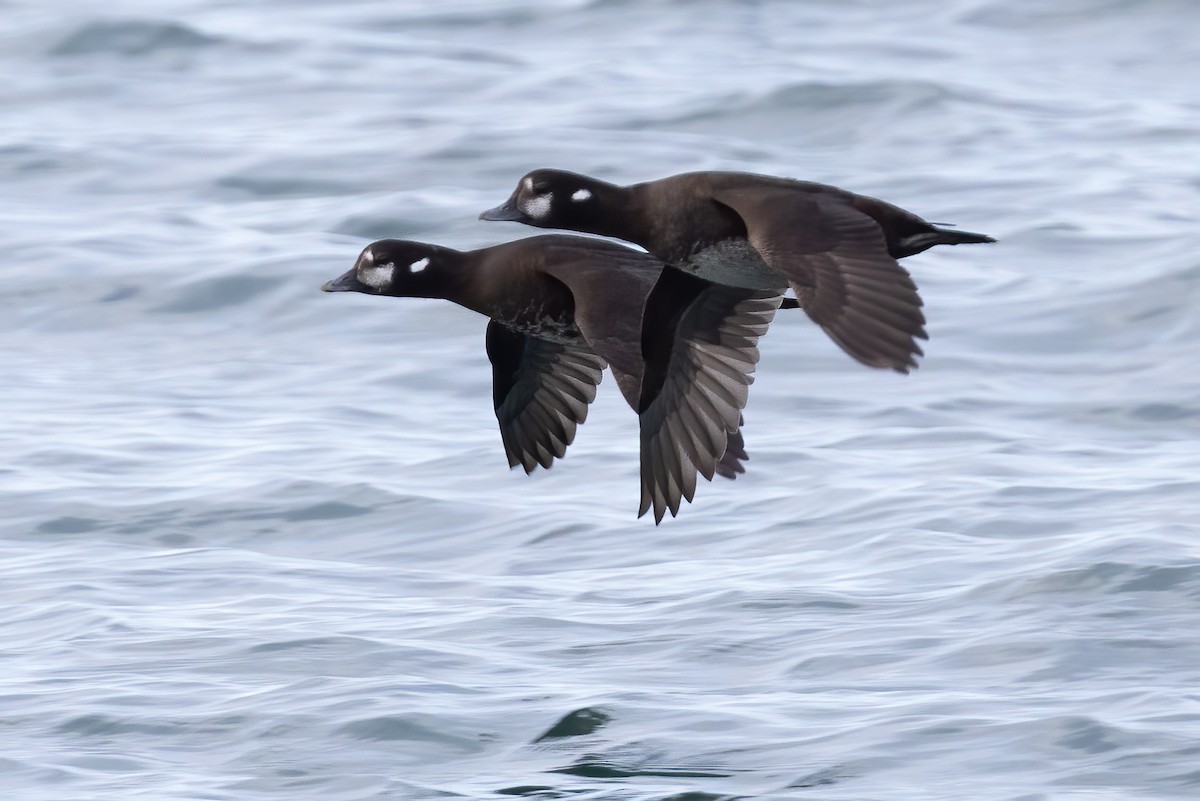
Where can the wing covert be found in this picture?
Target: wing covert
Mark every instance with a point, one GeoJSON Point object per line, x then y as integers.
{"type": "Point", "coordinates": [836, 260]}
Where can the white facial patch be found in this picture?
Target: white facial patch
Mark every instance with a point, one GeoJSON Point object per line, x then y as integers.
{"type": "Point", "coordinates": [528, 184]}
{"type": "Point", "coordinates": [377, 277]}
{"type": "Point", "coordinates": [419, 265]}
{"type": "Point", "coordinates": [537, 207]}
{"type": "Point", "coordinates": [581, 195]}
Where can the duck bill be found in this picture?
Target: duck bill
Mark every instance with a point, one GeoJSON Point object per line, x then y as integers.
{"type": "Point", "coordinates": [347, 282]}
{"type": "Point", "coordinates": [505, 212]}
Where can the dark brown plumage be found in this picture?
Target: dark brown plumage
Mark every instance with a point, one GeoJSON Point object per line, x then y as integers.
{"type": "Point", "coordinates": [561, 308]}
{"type": "Point", "coordinates": [837, 250]}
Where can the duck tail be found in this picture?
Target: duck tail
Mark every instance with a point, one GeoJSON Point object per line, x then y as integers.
{"type": "Point", "coordinates": [949, 236]}
{"type": "Point", "coordinates": [924, 240]}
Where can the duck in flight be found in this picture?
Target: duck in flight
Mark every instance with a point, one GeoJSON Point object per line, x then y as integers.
{"type": "Point", "coordinates": [837, 250]}
{"type": "Point", "coordinates": [561, 309]}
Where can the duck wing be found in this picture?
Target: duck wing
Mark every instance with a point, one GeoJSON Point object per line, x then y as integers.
{"type": "Point", "coordinates": [700, 360]}
{"type": "Point", "coordinates": [836, 259]}
{"type": "Point", "coordinates": [682, 350]}
{"type": "Point", "coordinates": [541, 390]}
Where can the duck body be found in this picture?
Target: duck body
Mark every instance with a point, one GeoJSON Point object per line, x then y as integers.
{"type": "Point", "coordinates": [561, 309]}
{"type": "Point", "coordinates": [835, 249]}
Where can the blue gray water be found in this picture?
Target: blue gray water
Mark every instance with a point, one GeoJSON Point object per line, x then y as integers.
{"type": "Point", "coordinates": [257, 542]}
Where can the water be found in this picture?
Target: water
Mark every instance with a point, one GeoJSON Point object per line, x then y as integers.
{"type": "Point", "coordinates": [260, 543]}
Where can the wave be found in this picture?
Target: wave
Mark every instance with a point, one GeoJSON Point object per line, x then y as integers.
{"type": "Point", "coordinates": [133, 38]}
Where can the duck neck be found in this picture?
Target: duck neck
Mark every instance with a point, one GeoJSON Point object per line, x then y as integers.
{"type": "Point", "coordinates": [461, 284]}
{"type": "Point", "coordinates": [629, 219]}
{"type": "Point", "coordinates": [622, 211]}
{"type": "Point", "coordinates": [448, 278]}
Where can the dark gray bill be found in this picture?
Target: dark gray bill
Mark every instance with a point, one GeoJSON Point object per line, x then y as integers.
{"type": "Point", "coordinates": [347, 282]}
{"type": "Point", "coordinates": [506, 212]}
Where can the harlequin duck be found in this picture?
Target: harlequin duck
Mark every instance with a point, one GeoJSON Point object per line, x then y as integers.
{"type": "Point", "coordinates": [836, 249]}
{"type": "Point", "coordinates": [560, 309]}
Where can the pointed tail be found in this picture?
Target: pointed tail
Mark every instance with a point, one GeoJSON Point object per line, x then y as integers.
{"type": "Point", "coordinates": [949, 236]}
{"type": "Point", "coordinates": [925, 239]}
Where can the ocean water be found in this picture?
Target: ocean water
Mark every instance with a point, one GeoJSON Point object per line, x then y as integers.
{"type": "Point", "coordinates": [257, 542]}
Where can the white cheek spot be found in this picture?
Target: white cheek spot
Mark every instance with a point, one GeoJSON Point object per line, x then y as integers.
{"type": "Point", "coordinates": [377, 277]}
{"type": "Point", "coordinates": [581, 195]}
{"type": "Point", "coordinates": [537, 207]}
{"type": "Point", "coordinates": [419, 265]}
{"type": "Point", "coordinates": [528, 184]}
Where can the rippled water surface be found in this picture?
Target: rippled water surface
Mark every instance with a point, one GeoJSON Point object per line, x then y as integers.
{"type": "Point", "coordinates": [260, 543]}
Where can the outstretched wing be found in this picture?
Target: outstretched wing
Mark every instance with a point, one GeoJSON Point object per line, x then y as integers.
{"type": "Point", "coordinates": [836, 259]}
{"type": "Point", "coordinates": [699, 367]}
{"type": "Point", "coordinates": [682, 351]}
{"type": "Point", "coordinates": [541, 392]}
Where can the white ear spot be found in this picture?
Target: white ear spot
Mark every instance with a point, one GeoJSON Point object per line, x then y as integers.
{"type": "Point", "coordinates": [581, 195]}
{"type": "Point", "coordinates": [419, 265]}
{"type": "Point", "coordinates": [377, 277]}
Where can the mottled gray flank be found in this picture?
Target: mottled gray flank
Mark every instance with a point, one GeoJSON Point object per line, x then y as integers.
{"type": "Point", "coordinates": [260, 543]}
